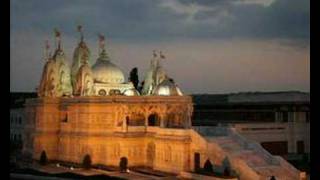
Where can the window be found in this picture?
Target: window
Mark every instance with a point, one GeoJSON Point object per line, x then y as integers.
{"type": "Point", "coordinates": [154, 120]}
{"type": "Point", "coordinates": [102, 92]}
{"type": "Point", "coordinates": [285, 116]}
{"type": "Point", "coordinates": [300, 147]}
{"type": "Point", "coordinates": [276, 147]}
{"type": "Point", "coordinates": [19, 120]}
{"type": "Point", "coordinates": [307, 117]}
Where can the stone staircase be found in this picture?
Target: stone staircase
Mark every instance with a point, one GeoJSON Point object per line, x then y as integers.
{"type": "Point", "coordinates": [237, 148]}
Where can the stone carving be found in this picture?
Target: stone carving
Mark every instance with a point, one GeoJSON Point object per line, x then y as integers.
{"type": "Point", "coordinates": [84, 82]}
{"type": "Point", "coordinates": [48, 82]}
{"type": "Point", "coordinates": [154, 76]}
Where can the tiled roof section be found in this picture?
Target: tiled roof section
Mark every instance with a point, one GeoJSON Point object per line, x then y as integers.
{"type": "Point", "coordinates": [17, 99]}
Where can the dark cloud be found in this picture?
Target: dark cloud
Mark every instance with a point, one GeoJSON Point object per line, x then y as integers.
{"type": "Point", "coordinates": [166, 19]}
{"type": "Point", "coordinates": [135, 28]}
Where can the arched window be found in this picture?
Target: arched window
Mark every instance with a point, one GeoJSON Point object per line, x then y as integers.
{"type": "Point", "coordinates": [102, 92]}
{"type": "Point", "coordinates": [173, 121]}
{"type": "Point", "coordinates": [136, 119]}
{"type": "Point", "coordinates": [123, 164]}
{"type": "Point", "coordinates": [154, 120]}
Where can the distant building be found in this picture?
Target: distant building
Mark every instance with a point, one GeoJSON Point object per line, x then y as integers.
{"type": "Point", "coordinates": [17, 115]}
{"type": "Point", "coordinates": [279, 121]}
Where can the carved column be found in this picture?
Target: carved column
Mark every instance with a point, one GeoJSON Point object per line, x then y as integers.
{"type": "Point", "coordinates": [145, 122]}
{"type": "Point", "coordinates": [124, 125]}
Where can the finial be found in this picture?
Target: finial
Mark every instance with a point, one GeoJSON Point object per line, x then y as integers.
{"type": "Point", "coordinates": [47, 47]}
{"type": "Point", "coordinates": [154, 54]}
{"type": "Point", "coordinates": [81, 33]}
{"type": "Point", "coordinates": [161, 55]}
{"type": "Point", "coordinates": [58, 37]}
{"type": "Point", "coordinates": [101, 42]}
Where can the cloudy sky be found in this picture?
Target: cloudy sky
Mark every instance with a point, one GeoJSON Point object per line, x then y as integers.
{"type": "Point", "coordinates": [212, 46]}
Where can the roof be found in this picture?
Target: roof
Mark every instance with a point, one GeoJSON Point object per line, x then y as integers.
{"type": "Point", "coordinates": [17, 99]}
{"type": "Point", "coordinates": [283, 97]}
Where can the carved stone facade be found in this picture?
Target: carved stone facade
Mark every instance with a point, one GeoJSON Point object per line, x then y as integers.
{"type": "Point", "coordinates": [139, 128]}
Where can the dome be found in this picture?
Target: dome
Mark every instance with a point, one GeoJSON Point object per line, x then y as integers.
{"type": "Point", "coordinates": [167, 88]}
{"type": "Point", "coordinates": [131, 92]}
{"type": "Point", "coordinates": [105, 71]}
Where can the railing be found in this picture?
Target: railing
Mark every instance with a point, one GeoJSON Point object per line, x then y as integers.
{"type": "Point", "coordinates": [291, 168]}
{"type": "Point", "coordinates": [253, 146]}
{"type": "Point", "coordinates": [251, 127]}
{"type": "Point", "coordinates": [136, 128]}
{"type": "Point", "coordinates": [211, 131]}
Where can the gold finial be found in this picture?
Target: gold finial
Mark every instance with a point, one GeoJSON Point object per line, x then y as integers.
{"type": "Point", "coordinates": [101, 42]}
{"type": "Point", "coordinates": [58, 37]}
{"type": "Point", "coordinates": [79, 28]}
{"type": "Point", "coordinates": [154, 54]}
{"type": "Point", "coordinates": [161, 55]}
{"type": "Point", "coordinates": [47, 47]}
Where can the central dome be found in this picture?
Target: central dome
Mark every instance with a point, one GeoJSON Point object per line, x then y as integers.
{"type": "Point", "coordinates": [105, 71]}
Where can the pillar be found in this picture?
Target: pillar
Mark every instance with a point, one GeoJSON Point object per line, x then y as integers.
{"type": "Point", "coordinates": [124, 125]}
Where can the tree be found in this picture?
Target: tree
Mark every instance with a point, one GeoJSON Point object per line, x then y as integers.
{"type": "Point", "coordinates": [226, 171]}
{"type": "Point", "coordinates": [208, 167]}
{"type": "Point", "coordinates": [134, 77]}
{"type": "Point", "coordinates": [43, 158]}
{"type": "Point", "coordinates": [141, 87]}
{"type": "Point", "coordinates": [86, 163]}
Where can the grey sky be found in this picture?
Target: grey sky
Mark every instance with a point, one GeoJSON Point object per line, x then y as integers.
{"type": "Point", "coordinates": [212, 46]}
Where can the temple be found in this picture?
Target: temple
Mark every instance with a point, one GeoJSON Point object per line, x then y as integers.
{"type": "Point", "coordinates": [91, 110]}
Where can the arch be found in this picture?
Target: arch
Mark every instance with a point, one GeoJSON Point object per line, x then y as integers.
{"type": "Point", "coordinates": [86, 162]}
{"type": "Point", "coordinates": [154, 119]}
{"type": "Point", "coordinates": [114, 92]}
{"type": "Point", "coordinates": [102, 92]}
{"type": "Point", "coordinates": [136, 119]}
{"type": "Point", "coordinates": [173, 120]}
{"type": "Point", "coordinates": [123, 164]}
{"type": "Point", "coordinates": [43, 158]}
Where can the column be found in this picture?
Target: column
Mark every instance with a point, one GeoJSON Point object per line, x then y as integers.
{"type": "Point", "coordinates": [124, 125]}
{"type": "Point", "coordinates": [146, 123]}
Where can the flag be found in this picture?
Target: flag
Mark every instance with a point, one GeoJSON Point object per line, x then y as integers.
{"type": "Point", "coordinates": [162, 56]}
{"type": "Point", "coordinates": [47, 44]}
{"type": "Point", "coordinates": [57, 32]}
{"type": "Point", "coordinates": [101, 40]}
{"type": "Point", "coordinates": [79, 28]}
{"type": "Point", "coordinates": [154, 53]}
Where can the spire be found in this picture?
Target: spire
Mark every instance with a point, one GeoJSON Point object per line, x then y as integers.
{"type": "Point", "coordinates": [81, 33]}
{"type": "Point", "coordinates": [58, 38]}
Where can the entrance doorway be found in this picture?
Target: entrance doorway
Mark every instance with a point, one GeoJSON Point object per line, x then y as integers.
{"type": "Point", "coordinates": [196, 161]}
{"type": "Point", "coordinates": [123, 165]}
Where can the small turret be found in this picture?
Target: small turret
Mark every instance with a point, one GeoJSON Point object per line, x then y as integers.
{"type": "Point", "coordinates": [81, 56]}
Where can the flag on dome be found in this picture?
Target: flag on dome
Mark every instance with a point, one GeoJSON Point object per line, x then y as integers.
{"type": "Point", "coordinates": [79, 28]}
{"type": "Point", "coordinates": [47, 44]}
{"type": "Point", "coordinates": [154, 53]}
{"type": "Point", "coordinates": [57, 32]}
{"type": "Point", "coordinates": [161, 55]}
{"type": "Point", "coordinates": [101, 40]}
